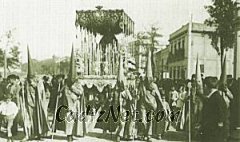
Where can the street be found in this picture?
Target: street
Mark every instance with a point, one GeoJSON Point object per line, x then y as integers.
{"type": "Point", "coordinates": [97, 136]}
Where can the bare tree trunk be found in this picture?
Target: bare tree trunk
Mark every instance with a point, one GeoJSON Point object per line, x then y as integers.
{"type": "Point", "coordinates": [222, 52]}
{"type": "Point", "coordinates": [221, 57]}
{"type": "Point", "coordinates": [153, 63]}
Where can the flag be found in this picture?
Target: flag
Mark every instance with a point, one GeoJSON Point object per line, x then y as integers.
{"type": "Point", "coordinates": [149, 73]}
{"type": "Point", "coordinates": [72, 75]}
{"type": "Point", "coordinates": [121, 77]}
{"type": "Point", "coordinates": [30, 71]}
{"type": "Point", "coordinates": [199, 82]}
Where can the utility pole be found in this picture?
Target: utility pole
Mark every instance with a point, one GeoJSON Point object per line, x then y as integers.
{"type": "Point", "coordinates": [237, 47]}
{"type": "Point", "coordinates": [235, 135]}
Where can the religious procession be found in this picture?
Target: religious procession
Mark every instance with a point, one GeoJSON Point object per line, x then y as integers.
{"type": "Point", "coordinates": [119, 84]}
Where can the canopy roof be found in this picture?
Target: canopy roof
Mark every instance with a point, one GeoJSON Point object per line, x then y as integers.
{"type": "Point", "coordinates": [105, 21]}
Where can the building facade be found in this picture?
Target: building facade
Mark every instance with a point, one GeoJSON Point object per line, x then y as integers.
{"type": "Point", "coordinates": [161, 62]}
{"type": "Point", "coordinates": [140, 58]}
{"type": "Point", "coordinates": [182, 57]}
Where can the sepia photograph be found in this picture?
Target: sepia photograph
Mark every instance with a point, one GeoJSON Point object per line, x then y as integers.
{"type": "Point", "coordinates": [120, 70]}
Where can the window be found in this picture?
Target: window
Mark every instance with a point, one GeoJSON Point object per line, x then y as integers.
{"type": "Point", "coordinates": [175, 48]}
{"type": "Point", "coordinates": [179, 45]}
{"type": "Point", "coordinates": [174, 73]}
{"type": "Point", "coordinates": [183, 43]}
{"type": "Point", "coordinates": [179, 72]}
{"type": "Point", "coordinates": [171, 72]}
{"type": "Point", "coordinates": [183, 49]}
{"type": "Point", "coordinates": [183, 73]}
{"type": "Point", "coordinates": [202, 68]}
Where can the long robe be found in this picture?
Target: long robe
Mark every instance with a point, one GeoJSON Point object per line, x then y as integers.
{"type": "Point", "coordinates": [37, 123]}
{"type": "Point", "coordinates": [107, 100]}
{"type": "Point", "coordinates": [75, 102]}
{"type": "Point", "coordinates": [125, 99]}
{"type": "Point", "coordinates": [53, 95]}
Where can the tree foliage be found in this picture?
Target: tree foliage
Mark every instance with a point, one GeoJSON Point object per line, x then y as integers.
{"type": "Point", "coordinates": [14, 61]}
{"type": "Point", "coordinates": [222, 16]}
{"type": "Point", "coordinates": [149, 40]}
{"type": "Point", "coordinates": [9, 44]}
{"type": "Point", "coordinates": [49, 66]}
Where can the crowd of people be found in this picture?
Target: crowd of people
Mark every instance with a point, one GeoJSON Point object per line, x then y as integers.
{"type": "Point", "coordinates": [29, 102]}
{"type": "Point", "coordinates": [23, 103]}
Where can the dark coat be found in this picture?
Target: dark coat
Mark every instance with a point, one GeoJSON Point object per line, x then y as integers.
{"type": "Point", "coordinates": [214, 111]}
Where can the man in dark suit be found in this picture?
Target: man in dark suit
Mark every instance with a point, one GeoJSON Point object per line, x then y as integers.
{"type": "Point", "coordinates": [214, 114]}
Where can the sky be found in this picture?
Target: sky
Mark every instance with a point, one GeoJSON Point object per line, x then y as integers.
{"type": "Point", "coordinates": [48, 26]}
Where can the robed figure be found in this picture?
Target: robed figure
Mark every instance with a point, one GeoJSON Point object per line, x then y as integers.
{"type": "Point", "coordinates": [72, 98]}
{"type": "Point", "coordinates": [35, 117]}
{"type": "Point", "coordinates": [125, 100]}
{"type": "Point", "coordinates": [195, 105]}
{"type": "Point", "coordinates": [149, 102]}
{"type": "Point", "coordinates": [107, 98]}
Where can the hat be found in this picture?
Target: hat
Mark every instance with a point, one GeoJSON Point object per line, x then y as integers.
{"type": "Point", "coordinates": [72, 75]}
{"type": "Point", "coordinates": [30, 71]}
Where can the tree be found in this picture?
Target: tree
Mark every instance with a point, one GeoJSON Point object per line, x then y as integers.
{"type": "Point", "coordinates": [153, 35]}
{"type": "Point", "coordinates": [9, 44]}
{"type": "Point", "coordinates": [222, 17]}
{"type": "Point", "coordinates": [149, 39]}
{"type": "Point", "coordinates": [13, 61]}
{"type": "Point", "coordinates": [49, 66]}
{"type": "Point", "coordinates": [64, 66]}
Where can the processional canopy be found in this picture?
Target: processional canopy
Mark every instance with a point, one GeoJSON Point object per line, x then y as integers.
{"type": "Point", "coordinates": [99, 59]}
{"type": "Point", "coordinates": [104, 21]}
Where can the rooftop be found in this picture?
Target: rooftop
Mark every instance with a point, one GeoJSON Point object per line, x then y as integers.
{"type": "Point", "coordinates": [196, 28]}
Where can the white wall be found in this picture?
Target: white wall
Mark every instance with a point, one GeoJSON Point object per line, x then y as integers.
{"type": "Point", "coordinates": [208, 56]}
